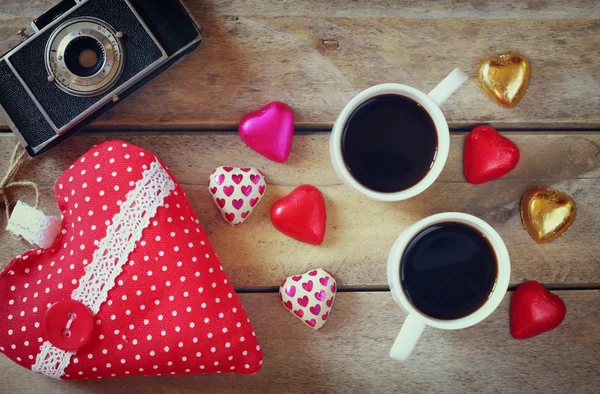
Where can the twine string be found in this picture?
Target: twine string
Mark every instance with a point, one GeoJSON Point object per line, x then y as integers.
{"type": "Point", "coordinates": [18, 160]}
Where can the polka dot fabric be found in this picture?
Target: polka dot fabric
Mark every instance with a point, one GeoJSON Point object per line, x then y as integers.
{"type": "Point", "coordinates": [172, 309]}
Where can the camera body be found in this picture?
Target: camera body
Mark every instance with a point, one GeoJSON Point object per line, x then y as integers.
{"type": "Point", "coordinates": [84, 57]}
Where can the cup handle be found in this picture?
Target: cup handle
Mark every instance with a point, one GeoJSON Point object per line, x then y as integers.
{"type": "Point", "coordinates": [448, 86]}
{"type": "Point", "coordinates": [407, 339]}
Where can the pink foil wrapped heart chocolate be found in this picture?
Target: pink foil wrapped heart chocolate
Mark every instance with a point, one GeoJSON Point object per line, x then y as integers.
{"type": "Point", "coordinates": [236, 192]}
{"type": "Point", "coordinates": [269, 131]}
{"type": "Point", "coordinates": [309, 297]}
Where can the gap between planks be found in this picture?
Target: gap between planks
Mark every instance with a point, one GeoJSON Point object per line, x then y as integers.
{"type": "Point", "coordinates": [318, 128]}
{"type": "Point", "coordinates": [385, 289]}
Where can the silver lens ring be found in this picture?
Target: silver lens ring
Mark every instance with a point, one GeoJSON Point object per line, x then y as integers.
{"type": "Point", "coordinates": [65, 48]}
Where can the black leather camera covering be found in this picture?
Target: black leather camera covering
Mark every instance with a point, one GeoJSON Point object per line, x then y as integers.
{"type": "Point", "coordinates": [140, 52]}
{"type": "Point", "coordinates": [16, 101]}
{"type": "Point", "coordinates": [169, 22]}
{"type": "Point", "coordinates": [166, 19]}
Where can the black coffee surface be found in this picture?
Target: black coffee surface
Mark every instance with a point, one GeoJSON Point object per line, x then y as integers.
{"type": "Point", "coordinates": [448, 271]}
{"type": "Point", "coordinates": [389, 143]}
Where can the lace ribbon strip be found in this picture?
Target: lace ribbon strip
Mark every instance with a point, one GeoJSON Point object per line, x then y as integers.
{"type": "Point", "coordinates": [31, 224]}
{"type": "Point", "coordinates": [121, 237]}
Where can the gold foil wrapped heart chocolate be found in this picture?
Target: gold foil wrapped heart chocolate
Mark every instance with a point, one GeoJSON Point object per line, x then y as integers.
{"type": "Point", "coordinates": [547, 214]}
{"type": "Point", "coordinates": [505, 78]}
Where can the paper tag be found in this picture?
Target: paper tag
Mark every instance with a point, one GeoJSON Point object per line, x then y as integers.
{"type": "Point", "coordinates": [31, 224]}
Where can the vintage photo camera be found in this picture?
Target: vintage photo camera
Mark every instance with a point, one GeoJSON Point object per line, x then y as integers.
{"type": "Point", "coordinates": [83, 58]}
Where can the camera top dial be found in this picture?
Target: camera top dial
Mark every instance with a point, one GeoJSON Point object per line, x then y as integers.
{"type": "Point", "coordinates": [84, 56]}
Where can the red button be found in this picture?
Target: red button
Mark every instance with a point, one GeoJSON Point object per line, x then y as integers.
{"type": "Point", "coordinates": [68, 325]}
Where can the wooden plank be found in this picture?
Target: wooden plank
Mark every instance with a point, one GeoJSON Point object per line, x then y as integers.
{"type": "Point", "coordinates": [350, 355]}
{"type": "Point", "coordinates": [316, 55]}
{"type": "Point", "coordinates": [360, 231]}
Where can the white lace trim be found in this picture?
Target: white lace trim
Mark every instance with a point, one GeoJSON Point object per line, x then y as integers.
{"type": "Point", "coordinates": [31, 224]}
{"type": "Point", "coordinates": [52, 361]}
{"type": "Point", "coordinates": [121, 237]}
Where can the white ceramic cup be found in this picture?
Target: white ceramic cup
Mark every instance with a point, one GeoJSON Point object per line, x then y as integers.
{"type": "Point", "coordinates": [431, 103]}
{"type": "Point", "coordinates": [416, 321]}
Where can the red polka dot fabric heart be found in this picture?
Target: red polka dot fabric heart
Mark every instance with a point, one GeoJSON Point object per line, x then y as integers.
{"type": "Point", "coordinates": [131, 286]}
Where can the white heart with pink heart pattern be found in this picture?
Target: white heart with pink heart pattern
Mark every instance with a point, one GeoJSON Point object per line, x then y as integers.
{"type": "Point", "coordinates": [236, 192]}
{"type": "Point", "coordinates": [310, 296]}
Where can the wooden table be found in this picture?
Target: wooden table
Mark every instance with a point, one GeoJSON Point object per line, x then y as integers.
{"type": "Point", "coordinates": [315, 55]}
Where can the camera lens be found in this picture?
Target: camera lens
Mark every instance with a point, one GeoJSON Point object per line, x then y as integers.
{"type": "Point", "coordinates": [84, 56]}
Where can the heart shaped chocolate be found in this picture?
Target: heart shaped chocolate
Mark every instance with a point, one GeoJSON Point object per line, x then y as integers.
{"type": "Point", "coordinates": [547, 214]}
{"type": "Point", "coordinates": [301, 215]}
{"type": "Point", "coordinates": [310, 296]}
{"type": "Point", "coordinates": [131, 285]}
{"type": "Point", "coordinates": [488, 155]}
{"type": "Point", "coordinates": [534, 311]}
{"type": "Point", "coordinates": [505, 78]}
{"type": "Point", "coordinates": [236, 192]}
{"type": "Point", "coordinates": [269, 131]}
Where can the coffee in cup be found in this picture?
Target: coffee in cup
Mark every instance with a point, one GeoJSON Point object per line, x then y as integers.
{"type": "Point", "coordinates": [391, 141]}
{"type": "Point", "coordinates": [448, 271]}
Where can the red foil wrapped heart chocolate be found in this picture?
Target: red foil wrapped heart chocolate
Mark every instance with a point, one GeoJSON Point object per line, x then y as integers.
{"type": "Point", "coordinates": [301, 215]}
{"type": "Point", "coordinates": [131, 285]}
{"type": "Point", "coordinates": [488, 155]}
{"type": "Point", "coordinates": [534, 311]}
